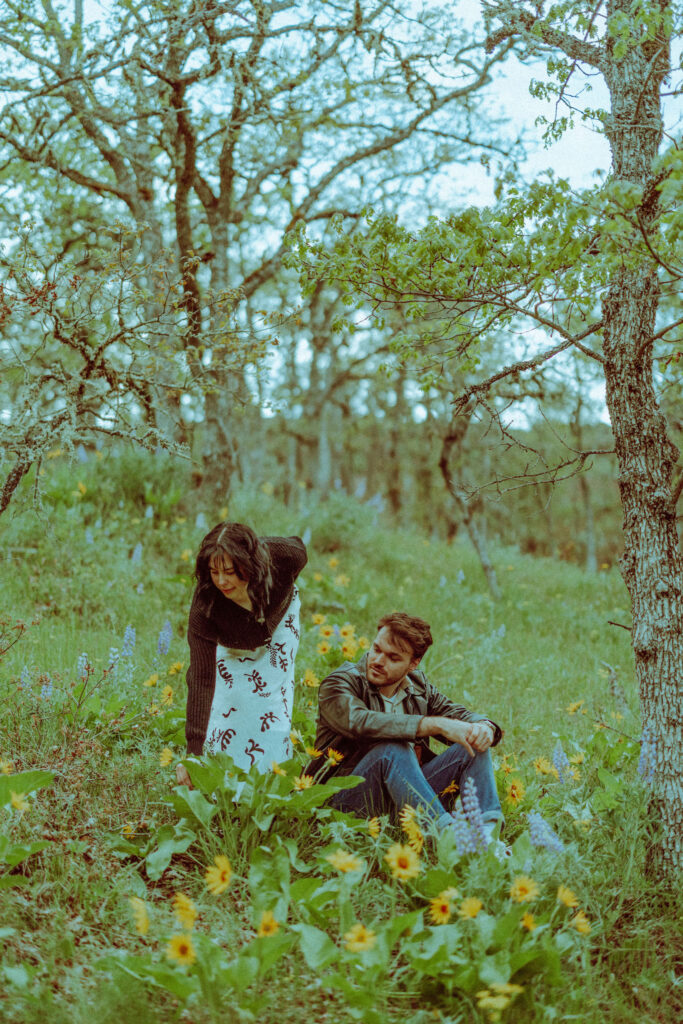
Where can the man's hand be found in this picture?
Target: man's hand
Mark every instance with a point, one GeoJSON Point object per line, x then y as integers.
{"type": "Point", "coordinates": [182, 776]}
{"type": "Point", "coordinates": [473, 736]}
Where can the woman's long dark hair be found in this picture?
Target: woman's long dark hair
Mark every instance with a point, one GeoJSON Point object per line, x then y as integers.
{"type": "Point", "coordinates": [250, 559]}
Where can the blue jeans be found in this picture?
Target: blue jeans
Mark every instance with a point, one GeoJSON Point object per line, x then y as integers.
{"type": "Point", "coordinates": [394, 777]}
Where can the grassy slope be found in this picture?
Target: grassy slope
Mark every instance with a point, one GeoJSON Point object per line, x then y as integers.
{"type": "Point", "coordinates": [555, 641]}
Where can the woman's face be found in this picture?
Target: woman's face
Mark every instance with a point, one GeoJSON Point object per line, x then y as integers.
{"type": "Point", "coordinates": [225, 578]}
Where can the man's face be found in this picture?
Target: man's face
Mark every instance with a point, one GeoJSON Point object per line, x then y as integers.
{"type": "Point", "coordinates": [389, 660]}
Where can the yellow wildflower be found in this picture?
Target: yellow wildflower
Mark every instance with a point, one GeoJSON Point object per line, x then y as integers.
{"type": "Point", "coordinates": [153, 710]}
{"type": "Point", "coordinates": [175, 668]}
{"type": "Point", "coordinates": [515, 791]}
{"type": "Point", "coordinates": [318, 619]}
{"type": "Point", "coordinates": [359, 939]}
{"type": "Point", "coordinates": [185, 911]}
{"type": "Point", "coordinates": [577, 758]}
{"type": "Point", "coordinates": [317, 576]}
{"type": "Point", "coordinates": [575, 706]}
{"type": "Point", "coordinates": [333, 563]}
{"type": "Point", "coordinates": [344, 861]}
{"type": "Point", "coordinates": [543, 766]}
{"type": "Point", "coordinates": [276, 769]}
{"type": "Point", "coordinates": [323, 648]}
{"type": "Point", "coordinates": [333, 756]}
{"type": "Point", "coordinates": [313, 752]}
{"type": "Point", "coordinates": [583, 824]}
{"type": "Point", "coordinates": [152, 681]}
{"type": "Point", "coordinates": [295, 737]}
{"type": "Point", "coordinates": [140, 915]}
{"type": "Point", "coordinates": [349, 648]}
{"type": "Point", "coordinates": [566, 896]}
{"type": "Point", "coordinates": [185, 555]}
{"type": "Point", "coordinates": [268, 925]}
{"type": "Point", "coordinates": [6, 767]}
{"type": "Point", "coordinates": [452, 787]}
{"type": "Point", "coordinates": [128, 829]}
{"type": "Point", "coordinates": [303, 782]}
{"type": "Point", "coordinates": [494, 1004]}
{"type": "Point", "coordinates": [470, 907]}
{"type": "Point", "coordinates": [528, 921]}
{"type": "Point", "coordinates": [310, 678]}
{"type": "Point", "coordinates": [81, 487]}
{"type": "Point", "coordinates": [19, 803]}
{"type": "Point", "coordinates": [581, 923]}
{"type": "Point", "coordinates": [347, 631]}
{"type": "Point", "coordinates": [181, 950]}
{"type": "Point", "coordinates": [440, 909]}
{"type": "Point", "coordinates": [343, 580]}
{"type": "Point", "coordinates": [363, 643]}
{"type": "Point", "coordinates": [218, 875]}
{"type": "Point", "coordinates": [403, 861]}
{"type": "Point", "coordinates": [506, 988]}
{"type": "Point", "coordinates": [409, 824]}
{"type": "Point", "coordinates": [165, 757]}
{"type": "Point", "coordinates": [326, 631]}
{"type": "Point", "coordinates": [374, 827]}
{"type": "Point", "coordinates": [523, 889]}
{"type": "Point", "coordinates": [167, 695]}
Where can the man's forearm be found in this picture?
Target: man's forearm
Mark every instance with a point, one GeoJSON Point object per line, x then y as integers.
{"type": "Point", "coordinates": [432, 725]}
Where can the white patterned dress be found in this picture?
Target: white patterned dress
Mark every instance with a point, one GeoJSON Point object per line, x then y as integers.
{"type": "Point", "coordinates": [251, 712]}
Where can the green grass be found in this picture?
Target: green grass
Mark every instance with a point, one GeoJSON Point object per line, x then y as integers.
{"type": "Point", "coordinates": [83, 589]}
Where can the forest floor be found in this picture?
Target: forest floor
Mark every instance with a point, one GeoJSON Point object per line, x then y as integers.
{"type": "Point", "coordinates": [97, 841]}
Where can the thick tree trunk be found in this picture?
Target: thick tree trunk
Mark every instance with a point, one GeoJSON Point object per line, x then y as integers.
{"type": "Point", "coordinates": [652, 566]}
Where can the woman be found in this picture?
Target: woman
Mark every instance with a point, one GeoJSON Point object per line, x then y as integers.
{"type": "Point", "coordinates": [243, 634]}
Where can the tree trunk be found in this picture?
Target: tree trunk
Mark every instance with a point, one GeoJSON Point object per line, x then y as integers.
{"type": "Point", "coordinates": [651, 565]}
{"type": "Point", "coordinates": [454, 438]}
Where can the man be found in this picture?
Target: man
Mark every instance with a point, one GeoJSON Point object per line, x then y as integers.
{"type": "Point", "coordinates": [379, 715]}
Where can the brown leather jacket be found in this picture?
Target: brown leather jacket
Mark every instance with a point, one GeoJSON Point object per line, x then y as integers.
{"type": "Point", "coordinates": [351, 717]}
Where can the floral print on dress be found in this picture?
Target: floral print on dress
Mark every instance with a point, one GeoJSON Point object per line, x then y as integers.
{"type": "Point", "coordinates": [251, 718]}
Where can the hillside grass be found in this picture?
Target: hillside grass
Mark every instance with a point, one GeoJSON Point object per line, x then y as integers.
{"type": "Point", "coordinates": [97, 561]}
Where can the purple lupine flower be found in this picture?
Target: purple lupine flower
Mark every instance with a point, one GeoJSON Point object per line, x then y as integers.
{"type": "Point", "coordinates": [460, 578]}
{"type": "Point", "coordinates": [165, 637]}
{"type": "Point", "coordinates": [137, 554]}
{"type": "Point", "coordinates": [470, 803]}
{"type": "Point", "coordinates": [83, 666]}
{"type": "Point", "coordinates": [89, 538]}
{"type": "Point", "coordinates": [500, 632]}
{"type": "Point", "coordinates": [25, 677]}
{"type": "Point", "coordinates": [46, 688]}
{"type": "Point", "coordinates": [541, 834]}
{"type": "Point", "coordinates": [149, 512]}
{"type": "Point", "coordinates": [560, 761]}
{"type": "Point", "coordinates": [465, 839]}
{"type": "Point", "coordinates": [113, 660]}
{"type": "Point", "coordinates": [646, 762]}
{"type": "Point", "coordinates": [128, 645]}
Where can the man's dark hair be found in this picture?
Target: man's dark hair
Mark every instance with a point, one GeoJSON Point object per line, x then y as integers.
{"type": "Point", "coordinates": [409, 630]}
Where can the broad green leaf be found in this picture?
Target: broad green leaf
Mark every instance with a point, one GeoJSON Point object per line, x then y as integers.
{"type": "Point", "coordinates": [15, 854]}
{"type": "Point", "coordinates": [191, 803]}
{"type": "Point", "coordinates": [169, 840]}
{"type": "Point", "coordinates": [23, 782]}
{"type": "Point", "coordinates": [317, 948]}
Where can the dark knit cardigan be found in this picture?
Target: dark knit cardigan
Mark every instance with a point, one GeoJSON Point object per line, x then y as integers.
{"type": "Point", "coordinates": [231, 625]}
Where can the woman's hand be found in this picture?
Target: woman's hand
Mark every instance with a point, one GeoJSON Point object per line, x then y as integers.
{"type": "Point", "coordinates": [182, 776]}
